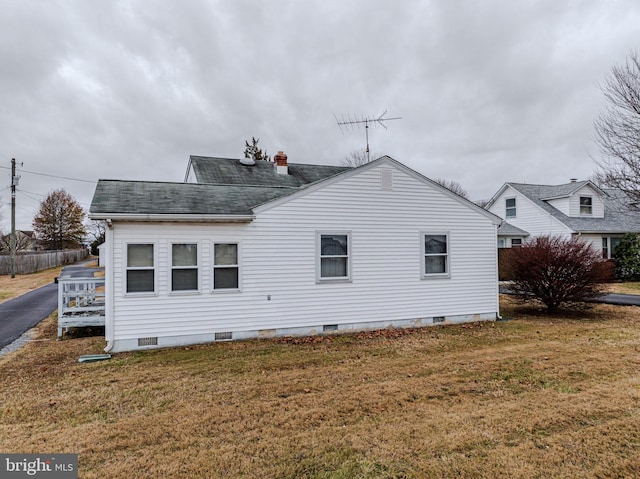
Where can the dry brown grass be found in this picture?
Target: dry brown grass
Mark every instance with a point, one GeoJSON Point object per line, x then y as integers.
{"type": "Point", "coordinates": [533, 397]}
{"type": "Point", "coordinates": [630, 287]}
{"type": "Point", "coordinates": [12, 287]}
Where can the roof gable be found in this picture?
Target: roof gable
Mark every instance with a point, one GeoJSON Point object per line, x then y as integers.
{"type": "Point", "coordinates": [618, 216]}
{"type": "Point", "coordinates": [373, 164]}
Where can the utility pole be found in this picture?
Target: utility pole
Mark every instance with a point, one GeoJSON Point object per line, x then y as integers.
{"type": "Point", "coordinates": [12, 241]}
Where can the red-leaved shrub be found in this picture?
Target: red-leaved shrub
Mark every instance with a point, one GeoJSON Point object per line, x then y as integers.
{"type": "Point", "coordinates": [556, 271]}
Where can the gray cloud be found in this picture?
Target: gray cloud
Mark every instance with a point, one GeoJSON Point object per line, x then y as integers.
{"type": "Point", "coordinates": [488, 92]}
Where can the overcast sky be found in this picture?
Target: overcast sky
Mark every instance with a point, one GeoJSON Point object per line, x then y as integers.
{"type": "Point", "coordinates": [488, 92]}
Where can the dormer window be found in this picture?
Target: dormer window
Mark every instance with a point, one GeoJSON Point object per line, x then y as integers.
{"type": "Point", "coordinates": [510, 207]}
{"type": "Point", "coordinates": [586, 205]}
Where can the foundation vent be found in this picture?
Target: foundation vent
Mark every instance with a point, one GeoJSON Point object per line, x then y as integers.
{"type": "Point", "coordinates": [329, 327]}
{"type": "Point", "coordinates": [147, 342]}
{"type": "Point", "coordinates": [438, 319]}
{"type": "Point", "coordinates": [224, 336]}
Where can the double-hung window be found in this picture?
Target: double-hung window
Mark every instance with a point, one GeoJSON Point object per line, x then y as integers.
{"type": "Point", "coordinates": [184, 267]}
{"type": "Point", "coordinates": [226, 269]}
{"type": "Point", "coordinates": [435, 255]}
{"type": "Point", "coordinates": [334, 256]}
{"type": "Point", "coordinates": [140, 268]}
{"type": "Point", "coordinates": [586, 205]}
{"type": "Point", "coordinates": [510, 207]}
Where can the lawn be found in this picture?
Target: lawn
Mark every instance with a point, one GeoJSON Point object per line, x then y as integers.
{"type": "Point", "coordinates": [534, 396]}
{"type": "Point", "coordinates": [12, 287]}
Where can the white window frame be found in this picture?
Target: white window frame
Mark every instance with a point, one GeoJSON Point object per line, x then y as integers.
{"type": "Point", "coordinates": [516, 245]}
{"type": "Point", "coordinates": [172, 268]}
{"type": "Point", "coordinates": [423, 255]}
{"type": "Point", "coordinates": [319, 257]}
{"type": "Point", "coordinates": [514, 208]}
{"type": "Point", "coordinates": [238, 266]}
{"type": "Point", "coordinates": [590, 206]}
{"type": "Point", "coordinates": [140, 268]}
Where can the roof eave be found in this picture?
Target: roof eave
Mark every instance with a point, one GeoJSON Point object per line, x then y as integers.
{"type": "Point", "coordinates": [182, 218]}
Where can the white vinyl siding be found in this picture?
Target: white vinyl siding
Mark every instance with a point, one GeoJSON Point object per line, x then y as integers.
{"type": "Point", "coordinates": [597, 205]}
{"type": "Point", "coordinates": [279, 261]}
{"type": "Point", "coordinates": [531, 217]}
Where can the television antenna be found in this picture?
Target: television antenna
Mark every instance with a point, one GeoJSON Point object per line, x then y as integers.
{"type": "Point", "coordinates": [355, 122]}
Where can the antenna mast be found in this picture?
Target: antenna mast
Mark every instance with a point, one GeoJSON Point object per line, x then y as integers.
{"type": "Point", "coordinates": [355, 122]}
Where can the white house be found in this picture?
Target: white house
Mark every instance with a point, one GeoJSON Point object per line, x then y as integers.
{"type": "Point", "coordinates": [576, 209]}
{"type": "Point", "coordinates": [271, 249]}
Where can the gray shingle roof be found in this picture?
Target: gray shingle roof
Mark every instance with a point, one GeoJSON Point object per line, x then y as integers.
{"type": "Point", "coordinates": [619, 217]}
{"type": "Point", "coordinates": [507, 229]}
{"type": "Point", "coordinates": [231, 172]}
{"type": "Point", "coordinates": [225, 187]}
{"type": "Point", "coordinates": [147, 197]}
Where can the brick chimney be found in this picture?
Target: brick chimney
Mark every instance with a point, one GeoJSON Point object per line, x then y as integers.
{"type": "Point", "coordinates": [280, 163]}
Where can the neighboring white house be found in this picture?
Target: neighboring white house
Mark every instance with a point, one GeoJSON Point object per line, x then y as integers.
{"type": "Point", "coordinates": [270, 249]}
{"type": "Point", "coordinates": [575, 209]}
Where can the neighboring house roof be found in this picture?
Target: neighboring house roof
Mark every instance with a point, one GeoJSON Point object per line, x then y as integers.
{"type": "Point", "coordinates": [619, 215]}
{"type": "Point", "coordinates": [507, 229]}
{"type": "Point", "coordinates": [231, 172]}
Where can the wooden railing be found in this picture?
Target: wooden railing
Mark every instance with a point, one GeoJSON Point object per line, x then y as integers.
{"type": "Point", "coordinates": [80, 303]}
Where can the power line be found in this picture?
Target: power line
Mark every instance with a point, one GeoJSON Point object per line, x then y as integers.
{"type": "Point", "coordinates": [55, 176]}
{"type": "Point", "coordinates": [51, 176]}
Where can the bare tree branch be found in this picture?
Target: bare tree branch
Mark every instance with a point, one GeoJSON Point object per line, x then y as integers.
{"type": "Point", "coordinates": [617, 129]}
{"type": "Point", "coordinates": [453, 186]}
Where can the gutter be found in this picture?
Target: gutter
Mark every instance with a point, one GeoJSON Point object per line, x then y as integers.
{"type": "Point", "coordinates": [202, 218]}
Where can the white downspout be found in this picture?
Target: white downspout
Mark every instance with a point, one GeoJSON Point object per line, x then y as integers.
{"type": "Point", "coordinates": [108, 287]}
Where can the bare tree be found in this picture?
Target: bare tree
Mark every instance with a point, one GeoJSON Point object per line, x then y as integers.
{"type": "Point", "coordinates": [617, 129]}
{"type": "Point", "coordinates": [96, 230]}
{"type": "Point", "coordinates": [357, 158]}
{"type": "Point", "coordinates": [454, 186]}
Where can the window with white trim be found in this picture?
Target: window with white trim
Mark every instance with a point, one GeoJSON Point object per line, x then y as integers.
{"type": "Point", "coordinates": [516, 242]}
{"type": "Point", "coordinates": [435, 254]}
{"type": "Point", "coordinates": [586, 205]}
{"type": "Point", "coordinates": [334, 258]}
{"type": "Point", "coordinates": [510, 207]}
{"type": "Point", "coordinates": [140, 268]}
{"type": "Point", "coordinates": [184, 267]}
{"type": "Point", "coordinates": [226, 268]}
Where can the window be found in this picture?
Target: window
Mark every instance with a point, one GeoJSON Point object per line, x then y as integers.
{"type": "Point", "coordinates": [140, 268]}
{"type": "Point", "coordinates": [501, 243]}
{"type": "Point", "coordinates": [184, 267]}
{"type": "Point", "coordinates": [334, 256]}
{"type": "Point", "coordinates": [586, 205]}
{"type": "Point", "coordinates": [226, 270]}
{"type": "Point", "coordinates": [609, 246]}
{"type": "Point", "coordinates": [516, 242]}
{"type": "Point", "coordinates": [435, 248]}
{"type": "Point", "coordinates": [510, 207]}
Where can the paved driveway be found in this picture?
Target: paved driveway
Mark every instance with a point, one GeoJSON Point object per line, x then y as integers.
{"type": "Point", "coordinates": [24, 312]}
